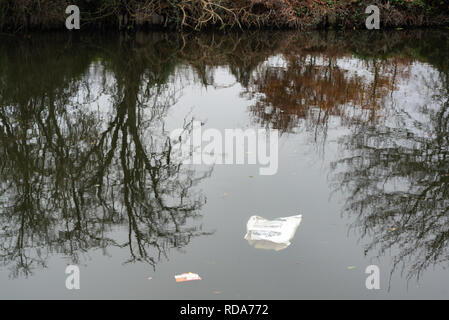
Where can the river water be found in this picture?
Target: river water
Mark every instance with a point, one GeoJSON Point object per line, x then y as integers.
{"type": "Point", "coordinates": [88, 176]}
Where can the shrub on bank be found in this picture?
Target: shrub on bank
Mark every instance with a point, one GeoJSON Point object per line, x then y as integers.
{"type": "Point", "coordinates": [200, 14]}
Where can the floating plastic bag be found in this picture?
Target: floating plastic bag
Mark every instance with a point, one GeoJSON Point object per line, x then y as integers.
{"type": "Point", "coordinates": [271, 234]}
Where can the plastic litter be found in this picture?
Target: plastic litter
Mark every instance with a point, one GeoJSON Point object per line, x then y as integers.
{"type": "Point", "coordinates": [189, 276]}
{"type": "Point", "coordinates": [271, 234]}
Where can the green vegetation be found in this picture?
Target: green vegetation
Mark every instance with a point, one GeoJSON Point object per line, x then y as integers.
{"type": "Point", "coordinates": [22, 15]}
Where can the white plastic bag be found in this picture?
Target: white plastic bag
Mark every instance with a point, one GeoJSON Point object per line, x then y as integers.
{"type": "Point", "coordinates": [271, 234]}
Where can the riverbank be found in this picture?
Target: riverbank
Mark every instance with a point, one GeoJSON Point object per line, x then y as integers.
{"type": "Point", "coordinates": [28, 15]}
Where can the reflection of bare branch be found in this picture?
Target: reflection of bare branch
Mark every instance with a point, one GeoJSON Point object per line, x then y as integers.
{"type": "Point", "coordinates": [398, 182]}
{"type": "Point", "coordinates": [73, 178]}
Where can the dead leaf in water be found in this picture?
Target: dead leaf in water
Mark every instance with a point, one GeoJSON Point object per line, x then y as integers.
{"type": "Point", "coordinates": [351, 267]}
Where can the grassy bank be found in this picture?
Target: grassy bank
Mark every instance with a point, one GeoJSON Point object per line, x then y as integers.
{"type": "Point", "coordinates": [20, 15]}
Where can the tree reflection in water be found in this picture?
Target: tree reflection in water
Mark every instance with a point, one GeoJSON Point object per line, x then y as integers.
{"type": "Point", "coordinates": [397, 176]}
{"type": "Point", "coordinates": [72, 170]}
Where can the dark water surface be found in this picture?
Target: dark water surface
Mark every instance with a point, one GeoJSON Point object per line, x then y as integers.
{"type": "Point", "coordinates": [87, 175]}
